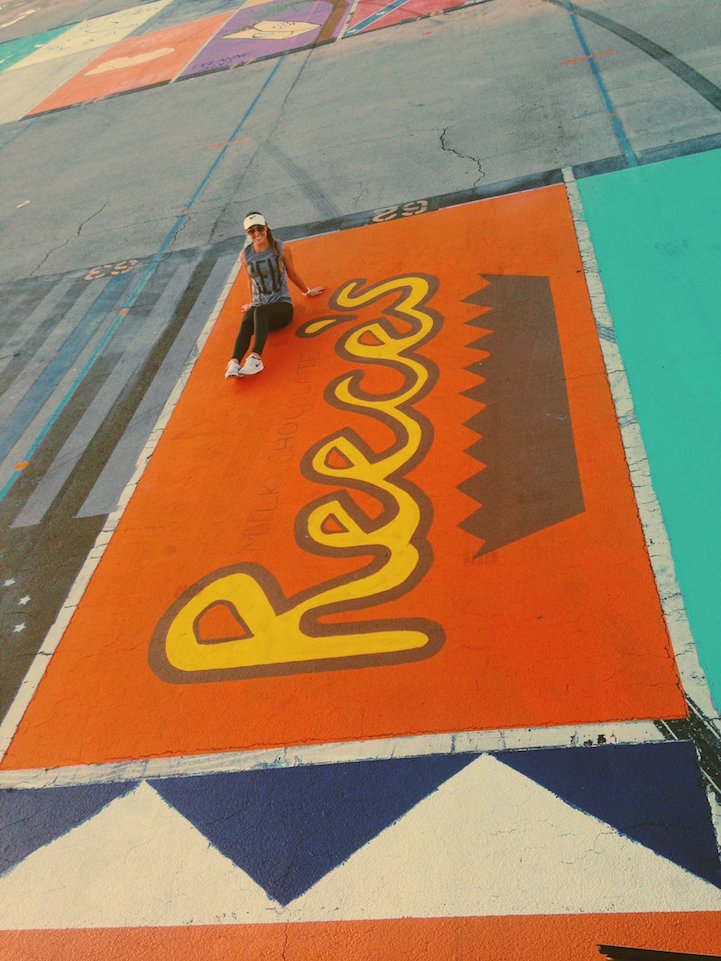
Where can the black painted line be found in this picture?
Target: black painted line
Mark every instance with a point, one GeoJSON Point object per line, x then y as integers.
{"type": "Point", "coordinates": [440, 201]}
{"type": "Point", "coordinates": [303, 179]}
{"type": "Point", "coordinates": [130, 347]}
{"type": "Point", "coordinates": [669, 151]}
{"type": "Point", "coordinates": [33, 326]}
{"type": "Point", "coordinates": [621, 953]}
{"type": "Point", "coordinates": [684, 71]}
{"type": "Point", "coordinates": [50, 332]}
{"type": "Point", "coordinates": [33, 416]}
{"type": "Point", "coordinates": [546, 178]}
{"type": "Point", "coordinates": [707, 738]}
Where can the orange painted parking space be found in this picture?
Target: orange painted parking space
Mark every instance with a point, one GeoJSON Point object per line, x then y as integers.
{"type": "Point", "coordinates": [314, 555]}
{"type": "Point", "coordinates": [137, 62]}
{"type": "Point", "coordinates": [544, 938]}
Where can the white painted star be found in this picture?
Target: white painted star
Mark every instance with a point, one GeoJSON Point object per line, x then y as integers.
{"type": "Point", "coordinates": [24, 600]}
{"type": "Point", "coordinates": [19, 628]}
{"type": "Point", "coordinates": [9, 582]}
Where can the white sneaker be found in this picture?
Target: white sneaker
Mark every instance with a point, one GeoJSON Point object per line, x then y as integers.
{"type": "Point", "coordinates": [233, 368]}
{"type": "Point", "coordinates": [252, 365]}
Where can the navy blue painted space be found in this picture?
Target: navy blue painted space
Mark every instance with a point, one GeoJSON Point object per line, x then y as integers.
{"type": "Point", "coordinates": [652, 793]}
{"type": "Point", "coordinates": [30, 819]}
{"type": "Point", "coordinates": [288, 827]}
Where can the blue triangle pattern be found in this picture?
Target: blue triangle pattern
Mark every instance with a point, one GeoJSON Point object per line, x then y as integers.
{"type": "Point", "coordinates": [30, 818]}
{"type": "Point", "coordinates": [652, 793]}
{"type": "Point", "coordinates": [288, 827]}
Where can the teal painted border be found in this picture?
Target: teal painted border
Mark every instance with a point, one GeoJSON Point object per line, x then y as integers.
{"type": "Point", "coordinates": [13, 51]}
{"type": "Point", "coordinates": [656, 231]}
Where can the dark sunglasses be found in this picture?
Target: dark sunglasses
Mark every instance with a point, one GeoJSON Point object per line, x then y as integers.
{"type": "Point", "coordinates": [258, 227]}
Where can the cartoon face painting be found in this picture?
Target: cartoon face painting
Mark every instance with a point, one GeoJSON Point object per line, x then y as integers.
{"type": "Point", "coordinates": [273, 30]}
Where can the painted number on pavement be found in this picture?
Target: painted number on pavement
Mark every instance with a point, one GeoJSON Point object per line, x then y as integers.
{"type": "Point", "coordinates": [122, 267]}
{"type": "Point", "coordinates": [403, 210]}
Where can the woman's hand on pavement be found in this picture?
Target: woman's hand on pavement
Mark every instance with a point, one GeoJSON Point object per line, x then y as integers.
{"type": "Point", "coordinates": [314, 291]}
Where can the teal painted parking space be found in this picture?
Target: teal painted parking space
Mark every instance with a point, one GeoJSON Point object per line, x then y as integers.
{"type": "Point", "coordinates": [655, 230]}
{"type": "Point", "coordinates": [13, 51]}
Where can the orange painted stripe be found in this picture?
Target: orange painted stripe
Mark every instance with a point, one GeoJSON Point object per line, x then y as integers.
{"type": "Point", "coordinates": [227, 143]}
{"type": "Point", "coordinates": [603, 53]}
{"type": "Point", "coordinates": [541, 938]}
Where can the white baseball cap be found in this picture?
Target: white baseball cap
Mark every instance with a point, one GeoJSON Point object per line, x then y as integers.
{"type": "Point", "coordinates": [254, 220]}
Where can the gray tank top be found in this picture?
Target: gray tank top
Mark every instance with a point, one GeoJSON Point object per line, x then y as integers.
{"type": "Point", "coordinates": [268, 281]}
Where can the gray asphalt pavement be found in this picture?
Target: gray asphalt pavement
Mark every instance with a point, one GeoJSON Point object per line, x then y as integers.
{"type": "Point", "coordinates": [477, 96]}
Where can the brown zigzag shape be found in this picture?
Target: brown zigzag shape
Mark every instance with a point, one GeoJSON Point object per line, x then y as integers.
{"type": "Point", "coordinates": [530, 477]}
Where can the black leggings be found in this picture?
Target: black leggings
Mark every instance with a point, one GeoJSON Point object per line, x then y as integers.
{"type": "Point", "coordinates": [257, 321]}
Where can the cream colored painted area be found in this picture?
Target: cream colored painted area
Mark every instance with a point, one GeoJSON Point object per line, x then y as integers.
{"type": "Point", "coordinates": [93, 34]}
{"type": "Point", "coordinates": [22, 90]}
{"type": "Point", "coordinates": [137, 862]}
{"type": "Point", "coordinates": [489, 841]}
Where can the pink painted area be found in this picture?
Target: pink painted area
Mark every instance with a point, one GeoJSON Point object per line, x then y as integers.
{"type": "Point", "coordinates": [411, 10]}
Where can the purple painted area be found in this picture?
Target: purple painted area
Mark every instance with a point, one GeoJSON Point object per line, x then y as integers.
{"type": "Point", "coordinates": [268, 30]}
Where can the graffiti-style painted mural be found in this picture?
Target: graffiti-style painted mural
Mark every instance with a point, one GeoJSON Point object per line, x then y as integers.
{"type": "Point", "coordinates": [266, 30]}
{"type": "Point", "coordinates": [167, 40]}
{"type": "Point", "coordinates": [345, 842]}
{"type": "Point", "coordinates": [379, 517]}
{"type": "Point", "coordinates": [379, 655]}
{"type": "Point", "coordinates": [143, 61]}
{"type": "Point", "coordinates": [54, 58]}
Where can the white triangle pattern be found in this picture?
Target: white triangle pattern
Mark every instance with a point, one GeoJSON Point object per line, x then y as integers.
{"type": "Point", "coordinates": [489, 841]}
{"type": "Point", "coordinates": [137, 862]}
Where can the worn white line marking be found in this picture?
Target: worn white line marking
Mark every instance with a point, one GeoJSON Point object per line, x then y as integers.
{"type": "Point", "coordinates": [465, 742]}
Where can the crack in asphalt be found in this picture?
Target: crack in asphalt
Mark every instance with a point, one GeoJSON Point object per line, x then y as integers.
{"type": "Point", "coordinates": [48, 255]}
{"type": "Point", "coordinates": [448, 149]}
{"type": "Point", "coordinates": [66, 242]}
{"type": "Point", "coordinates": [87, 219]}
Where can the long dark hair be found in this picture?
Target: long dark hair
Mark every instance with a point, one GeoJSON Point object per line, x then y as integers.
{"type": "Point", "coordinates": [271, 240]}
